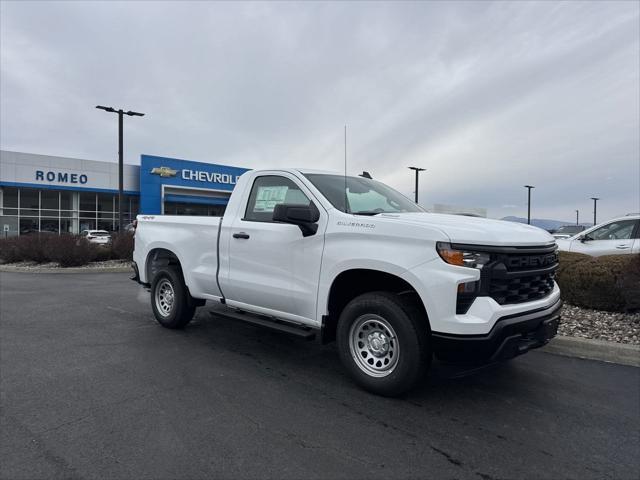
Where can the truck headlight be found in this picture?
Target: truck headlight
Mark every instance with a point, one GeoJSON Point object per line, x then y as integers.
{"type": "Point", "coordinates": [462, 258]}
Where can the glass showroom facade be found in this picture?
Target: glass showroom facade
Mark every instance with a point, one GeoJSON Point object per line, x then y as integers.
{"type": "Point", "coordinates": [24, 210]}
{"type": "Point", "coordinates": [42, 193]}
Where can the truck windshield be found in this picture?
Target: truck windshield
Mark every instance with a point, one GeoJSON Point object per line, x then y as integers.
{"type": "Point", "coordinates": [363, 196]}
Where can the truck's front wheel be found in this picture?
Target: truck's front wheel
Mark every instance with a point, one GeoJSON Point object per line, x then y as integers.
{"type": "Point", "coordinates": [170, 299]}
{"type": "Point", "coordinates": [383, 343]}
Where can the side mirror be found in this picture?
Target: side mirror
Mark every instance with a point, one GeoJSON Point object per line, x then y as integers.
{"type": "Point", "coordinates": [305, 216]}
{"type": "Point", "coordinates": [585, 238]}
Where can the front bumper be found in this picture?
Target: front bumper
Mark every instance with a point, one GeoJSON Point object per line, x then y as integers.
{"type": "Point", "coordinates": [510, 336]}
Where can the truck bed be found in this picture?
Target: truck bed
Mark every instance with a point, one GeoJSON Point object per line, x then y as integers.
{"type": "Point", "coordinates": [194, 240]}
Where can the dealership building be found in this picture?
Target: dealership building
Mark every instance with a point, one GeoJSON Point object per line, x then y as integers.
{"type": "Point", "coordinates": [67, 195]}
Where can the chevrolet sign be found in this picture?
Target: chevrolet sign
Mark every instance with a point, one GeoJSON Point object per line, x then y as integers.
{"type": "Point", "coordinates": [209, 177]}
{"type": "Point", "coordinates": [164, 171]}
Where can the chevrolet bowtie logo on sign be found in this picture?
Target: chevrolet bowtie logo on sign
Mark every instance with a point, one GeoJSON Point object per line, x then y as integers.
{"type": "Point", "coordinates": [164, 171]}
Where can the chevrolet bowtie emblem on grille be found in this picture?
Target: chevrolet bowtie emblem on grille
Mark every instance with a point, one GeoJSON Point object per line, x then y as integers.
{"type": "Point", "coordinates": [164, 171]}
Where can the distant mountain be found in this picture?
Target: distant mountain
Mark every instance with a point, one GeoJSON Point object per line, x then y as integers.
{"type": "Point", "coordinates": [543, 223]}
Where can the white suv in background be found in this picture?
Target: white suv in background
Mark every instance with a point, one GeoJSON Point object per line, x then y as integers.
{"type": "Point", "coordinates": [618, 236]}
{"type": "Point", "coordinates": [98, 237]}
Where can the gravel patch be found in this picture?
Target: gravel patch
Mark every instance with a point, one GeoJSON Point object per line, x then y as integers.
{"type": "Point", "coordinates": [600, 325]}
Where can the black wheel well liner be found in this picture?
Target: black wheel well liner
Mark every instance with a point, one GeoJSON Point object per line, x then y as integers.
{"type": "Point", "coordinates": [352, 283]}
{"type": "Point", "coordinates": [157, 258]}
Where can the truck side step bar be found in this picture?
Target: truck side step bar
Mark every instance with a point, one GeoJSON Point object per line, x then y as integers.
{"type": "Point", "coordinates": [268, 322]}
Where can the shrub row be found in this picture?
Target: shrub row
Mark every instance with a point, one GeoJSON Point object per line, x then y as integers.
{"type": "Point", "coordinates": [611, 282]}
{"type": "Point", "coordinates": [67, 250]}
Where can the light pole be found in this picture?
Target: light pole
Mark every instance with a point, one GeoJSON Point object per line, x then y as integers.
{"type": "Point", "coordinates": [418, 170]}
{"type": "Point", "coordinates": [595, 208]}
{"type": "Point", "coordinates": [577, 217]}
{"type": "Point", "coordinates": [120, 113]}
{"type": "Point", "coordinates": [529, 187]}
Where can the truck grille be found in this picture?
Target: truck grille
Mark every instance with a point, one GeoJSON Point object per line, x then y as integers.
{"type": "Point", "coordinates": [521, 289]}
{"type": "Point", "coordinates": [515, 274]}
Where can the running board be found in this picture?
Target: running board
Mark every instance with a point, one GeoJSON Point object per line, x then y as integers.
{"type": "Point", "coordinates": [300, 331]}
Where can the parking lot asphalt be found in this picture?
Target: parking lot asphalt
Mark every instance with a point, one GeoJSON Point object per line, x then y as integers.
{"type": "Point", "coordinates": [92, 387]}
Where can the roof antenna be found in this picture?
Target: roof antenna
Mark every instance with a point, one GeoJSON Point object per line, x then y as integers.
{"type": "Point", "coordinates": [345, 170]}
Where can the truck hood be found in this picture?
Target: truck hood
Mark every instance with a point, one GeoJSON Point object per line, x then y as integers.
{"type": "Point", "coordinates": [477, 231]}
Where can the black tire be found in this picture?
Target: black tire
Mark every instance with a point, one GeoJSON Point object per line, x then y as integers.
{"type": "Point", "coordinates": [179, 311]}
{"type": "Point", "coordinates": [381, 318]}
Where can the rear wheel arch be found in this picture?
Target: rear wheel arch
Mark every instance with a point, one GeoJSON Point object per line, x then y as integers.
{"type": "Point", "coordinates": [158, 258]}
{"type": "Point", "coordinates": [352, 283]}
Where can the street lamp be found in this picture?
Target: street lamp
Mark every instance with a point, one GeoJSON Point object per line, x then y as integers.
{"type": "Point", "coordinates": [595, 208]}
{"type": "Point", "coordinates": [529, 187]}
{"type": "Point", "coordinates": [417, 170]}
{"type": "Point", "coordinates": [120, 113]}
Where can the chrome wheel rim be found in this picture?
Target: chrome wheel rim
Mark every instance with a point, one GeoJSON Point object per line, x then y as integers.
{"type": "Point", "coordinates": [374, 345]}
{"type": "Point", "coordinates": [164, 297]}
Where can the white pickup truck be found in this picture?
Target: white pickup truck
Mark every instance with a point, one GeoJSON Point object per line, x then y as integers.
{"type": "Point", "coordinates": [330, 257]}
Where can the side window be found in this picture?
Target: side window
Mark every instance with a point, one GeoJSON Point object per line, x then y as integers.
{"type": "Point", "coordinates": [269, 191]}
{"type": "Point", "coordinates": [620, 230]}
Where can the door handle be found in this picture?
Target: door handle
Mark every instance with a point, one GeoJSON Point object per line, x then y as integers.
{"type": "Point", "coordinates": [622, 247]}
{"type": "Point", "coordinates": [241, 235]}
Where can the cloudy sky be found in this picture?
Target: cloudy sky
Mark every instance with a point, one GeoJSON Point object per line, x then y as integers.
{"type": "Point", "coordinates": [486, 96]}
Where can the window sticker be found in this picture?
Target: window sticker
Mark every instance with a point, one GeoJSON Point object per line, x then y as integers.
{"type": "Point", "coordinates": [268, 197]}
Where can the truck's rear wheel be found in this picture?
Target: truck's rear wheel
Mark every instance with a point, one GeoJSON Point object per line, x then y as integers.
{"type": "Point", "coordinates": [170, 299]}
{"type": "Point", "coordinates": [383, 343]}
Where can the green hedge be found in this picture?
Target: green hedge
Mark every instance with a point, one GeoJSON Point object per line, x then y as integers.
{"type": "Point", "coordinates": [611, 282]}
{"type": "Point", "coordinates": [67, 250]}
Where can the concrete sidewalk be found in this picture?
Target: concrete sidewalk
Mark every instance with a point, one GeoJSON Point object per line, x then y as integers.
{"type": "Point", "coordinates": [612, 352]}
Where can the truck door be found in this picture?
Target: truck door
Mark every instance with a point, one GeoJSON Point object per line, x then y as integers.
{"type": "Point", "coordinates": [271, 265]}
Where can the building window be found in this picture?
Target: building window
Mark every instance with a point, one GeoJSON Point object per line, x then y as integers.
{"type": "Point", "coordinates": [28, 225]}
{"type": "Point", "coordinates": [66, 226]}
{"type": "Point", "coordinates": [65, 200]}
{"type": "Point", "coordinates": [105, 202]}
{"type": "Point", "coordinates": [10, 201]}
{"type": "Point", "coordinates": [50, 200]}
{"type": "Point", "coordinates": [88, 203]}
{"type": "Point", "coordinates": [29, 203]}
{"type": "Point", "coordinates": [9, 212]}
{"type": "Point", "coordinates": [50, 225]}
{"type": "Point", "coordinates": [87, 224]}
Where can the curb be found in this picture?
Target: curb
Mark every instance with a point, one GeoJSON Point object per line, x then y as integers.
{"type": "Point", "coordinates": [604, 351]}
{"type": "Point", "coordinates": [67, 270]}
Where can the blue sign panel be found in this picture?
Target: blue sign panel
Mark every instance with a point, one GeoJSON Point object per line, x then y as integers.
{"type": "Point", "coordinates": [158, 171]}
